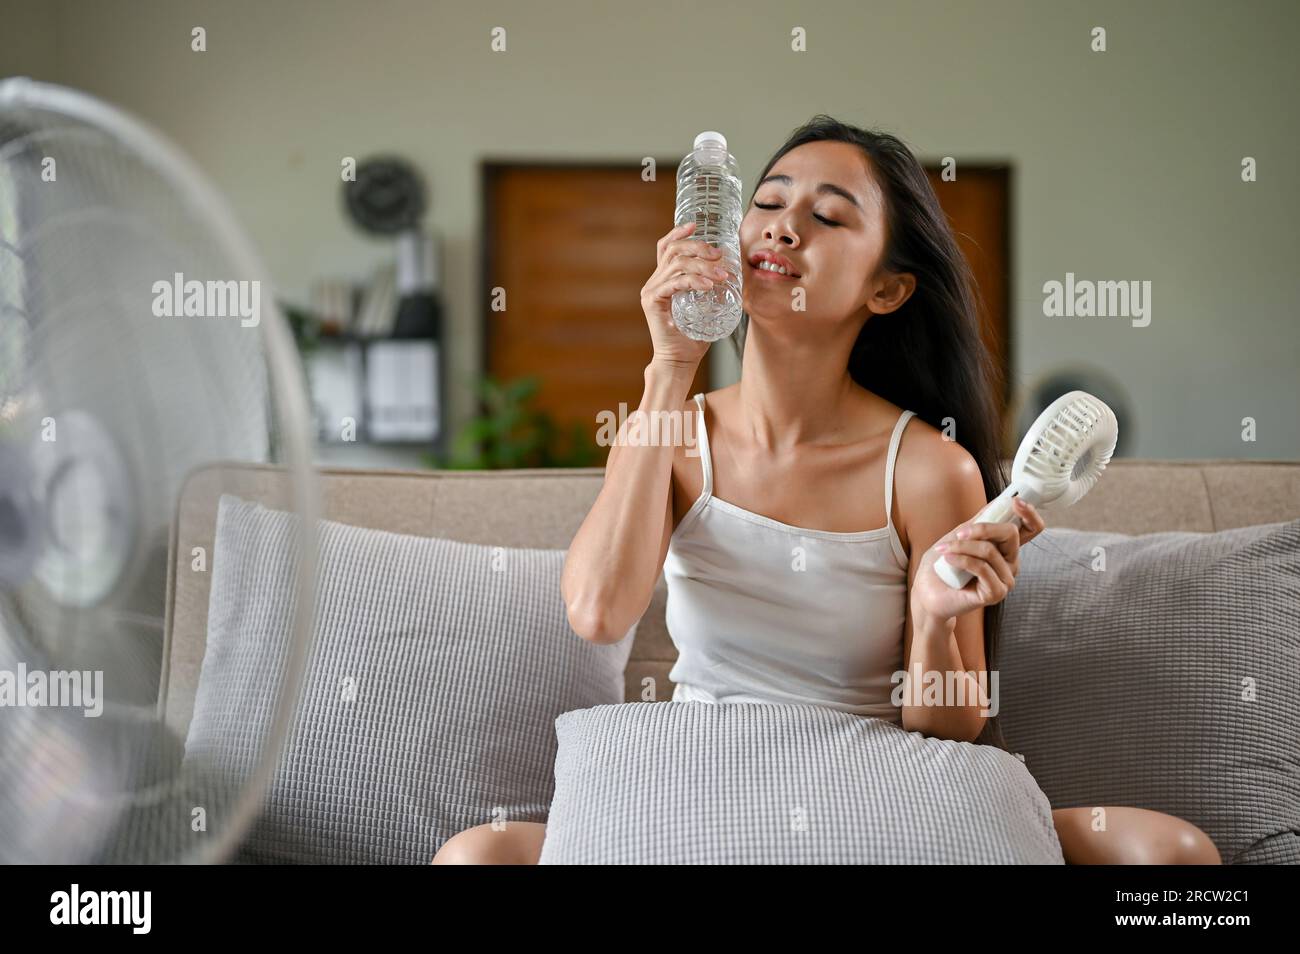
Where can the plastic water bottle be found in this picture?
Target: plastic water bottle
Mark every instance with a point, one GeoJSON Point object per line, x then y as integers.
{"type": "Point", "coordinates": [708, 194]}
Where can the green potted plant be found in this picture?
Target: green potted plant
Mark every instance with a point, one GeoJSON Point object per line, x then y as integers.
{"type": "Point", "coordinates": [511, 434]}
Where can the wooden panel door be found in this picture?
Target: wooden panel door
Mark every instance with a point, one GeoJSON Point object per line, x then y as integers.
{"type": "Point", "coordinates": [977, 203]}
{"type": "Point", "coordinates": [572, 246]}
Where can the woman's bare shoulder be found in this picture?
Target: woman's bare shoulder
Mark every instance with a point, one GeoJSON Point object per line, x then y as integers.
{"type": "Point", "coordinates": [930, 466]}
{"type": "Point", "coordinates": [686, 474]}
{"type": "Point", "coordinates": [928, 456]}
{"type": "Point", "coordinates": [722, 397]}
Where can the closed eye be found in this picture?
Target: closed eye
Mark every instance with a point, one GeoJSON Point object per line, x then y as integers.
{"type": "Point", "coordinates": [819, 218]}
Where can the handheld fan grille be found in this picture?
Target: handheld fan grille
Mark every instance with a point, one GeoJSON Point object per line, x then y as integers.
{"type": "Point", "coordinates": [1060, 459]}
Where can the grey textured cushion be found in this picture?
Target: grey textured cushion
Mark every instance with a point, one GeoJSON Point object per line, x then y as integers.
{"type": "Point", "coordinates": [749, 783]}
{"type": "Point", "coordinates": [1132, 685]}
{"type": "Point", "coordinates": [429, 703]}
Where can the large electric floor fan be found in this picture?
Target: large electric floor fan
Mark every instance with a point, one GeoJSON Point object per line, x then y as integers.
{"type": "Point", "coordinates": [106, 404]}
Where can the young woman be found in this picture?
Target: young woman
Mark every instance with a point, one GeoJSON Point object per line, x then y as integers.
{"type": "Point", "coordinates": [860, 343]}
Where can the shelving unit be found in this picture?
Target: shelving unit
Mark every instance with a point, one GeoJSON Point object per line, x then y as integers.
{"type": "Point", "coordinates": [393, 388]}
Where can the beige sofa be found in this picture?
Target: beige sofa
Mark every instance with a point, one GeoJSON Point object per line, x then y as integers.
{"type": "Point", "coordinates": [543, 508]}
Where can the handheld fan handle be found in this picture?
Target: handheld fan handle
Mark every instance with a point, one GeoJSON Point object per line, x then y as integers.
{"type": "Point", "coordinates": [997, 510]}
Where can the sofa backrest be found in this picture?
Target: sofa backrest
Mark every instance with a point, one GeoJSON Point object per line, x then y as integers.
{"type": "Point", "coordinates": [544, 508]}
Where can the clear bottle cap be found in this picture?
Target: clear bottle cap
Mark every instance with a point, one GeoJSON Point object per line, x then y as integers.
{"type": "Point", "coordinates": [711, 137]}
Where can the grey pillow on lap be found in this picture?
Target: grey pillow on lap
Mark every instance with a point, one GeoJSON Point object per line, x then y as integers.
{"type": "Point", "coordinates": [1133, 685]}
{"type": "Point", "coordinates": [429, 704]}
{"type": "Point", "coordinates": [747, 783]}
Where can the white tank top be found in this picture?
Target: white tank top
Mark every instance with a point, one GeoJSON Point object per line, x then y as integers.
{"type": "Point", "coordinates": [761, 611]}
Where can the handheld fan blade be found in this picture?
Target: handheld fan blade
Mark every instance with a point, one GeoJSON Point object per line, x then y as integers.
{"type": "Point", "coordinates": [1060, 460]}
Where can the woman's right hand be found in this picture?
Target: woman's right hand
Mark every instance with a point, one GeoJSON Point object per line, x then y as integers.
{"type": "Point", "coordinates": [684, 264]}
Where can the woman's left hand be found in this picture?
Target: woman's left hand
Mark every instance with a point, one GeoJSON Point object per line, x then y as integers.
{"type": "Point", "coordinates": [991, 551]}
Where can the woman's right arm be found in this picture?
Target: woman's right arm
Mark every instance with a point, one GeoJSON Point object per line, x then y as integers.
{"type": "Point", "coordinates": [618, 553]}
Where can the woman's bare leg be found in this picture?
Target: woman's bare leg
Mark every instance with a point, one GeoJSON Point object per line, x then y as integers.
{"type": "Point", "coordinates": [518, 843]}
{"type": "Point", "coordinates": [1130, 836]}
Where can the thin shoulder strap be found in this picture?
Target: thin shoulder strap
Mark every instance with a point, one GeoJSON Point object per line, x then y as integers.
{"type": "Point", "coordinates": [706, 461]}
{"type": "Point", "coordinates": [894, 441]}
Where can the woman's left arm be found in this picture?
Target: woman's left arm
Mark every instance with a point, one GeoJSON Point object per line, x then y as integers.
{"type": "Point", "coordinates": [943, 649]}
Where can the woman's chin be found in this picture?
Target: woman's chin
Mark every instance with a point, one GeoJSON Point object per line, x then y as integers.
{"type": "Point", "coordinates": [765, 311]}
{"type": "Point", "coordinates": [777, 324]}
{"type": "Point", "coordinates": [773, 298]}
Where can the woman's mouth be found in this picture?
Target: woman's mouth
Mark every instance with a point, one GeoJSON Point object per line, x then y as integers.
{"type": "Point", "coordinates": [774, 272]}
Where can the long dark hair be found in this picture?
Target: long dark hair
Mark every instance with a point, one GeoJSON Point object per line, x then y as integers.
{"type": "Point", "coordinates": [928, 355]}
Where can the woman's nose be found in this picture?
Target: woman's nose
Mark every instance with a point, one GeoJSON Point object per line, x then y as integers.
{"type": "Point", "coordinates": [783, 232]}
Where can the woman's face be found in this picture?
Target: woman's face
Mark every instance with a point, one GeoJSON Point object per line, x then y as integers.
{"type": "Point", "coordinates": [820, 211]}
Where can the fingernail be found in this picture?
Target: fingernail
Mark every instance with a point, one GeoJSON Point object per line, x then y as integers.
{"type": "Point", "coordinates": [962, 534]}
{"type": "Point", "coordinates": [941, 546]}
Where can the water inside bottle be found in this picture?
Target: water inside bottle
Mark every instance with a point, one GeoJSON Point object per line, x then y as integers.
{"type": "Point", "coordinates": [709, 194]}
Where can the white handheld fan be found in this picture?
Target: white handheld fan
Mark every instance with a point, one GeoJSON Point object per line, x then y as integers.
{"type": "Point", "coordinates": [1060, 460]}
